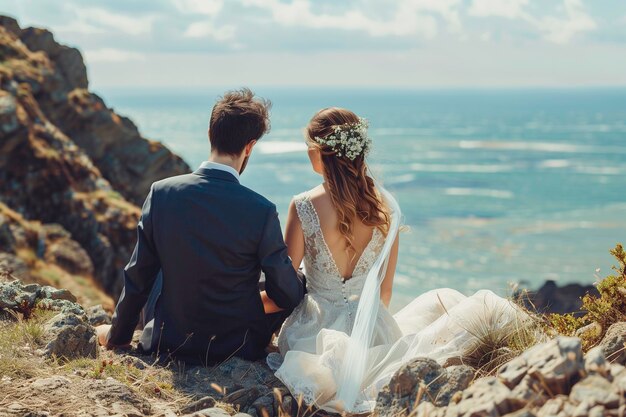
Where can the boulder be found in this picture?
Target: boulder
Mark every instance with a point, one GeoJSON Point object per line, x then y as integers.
{"type": "Point", "coordinates": [555, 366]}
{"type": "Point", "coordinates": [595, 362]}
{"type": "Point", "coordinates": [70, 336]}
{"type": "Point", "coordinates": [614, 343]}
{"type": "Point", "coordinates": [552, 298]}
{"type": "Point", "coordinates": [595, 390]}
{"type": "Point", "coordinates": [17, 297]}
{"type": "Point", "coordinates": [421, 380]}
{"type": "Point", "coordinates": [557, 406]}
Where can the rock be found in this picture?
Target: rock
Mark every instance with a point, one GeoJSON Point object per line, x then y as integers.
{"type": "Point", "coordinates": [555, 406]}
{"type": "Point", "coordinates": [487, 396]}
{"type": "Point", "coordinates": [458, 378]}
{"type": "Point", "coordinates": [263, 406]}
{"type": "Point", "coordinates": [201, 404]}
{"type": "Point", "coordinates": [531, 392]}
{"type": "Point", "coordinates": [595, 362]}
{"type": "Point", "coordinates": [614, 343]}
{"type": "Point", "coordinates": [135, 362]}
{"type": "Point", "coordinates": [616, 370]}
{"type": "Point", "coordinates": [8, 116]}
{"type": "Point", "coordinates": [71, 256]}
{"type": "Point", "coordinates": [421, 379]}
{"type": "Point", "coordinates": [110, 393]}
{"type": "Point", "coordinates": [619, 382]}
{"type": "Point", "coordinates": [231, 376]}
{"type": "Point", "coordinates": [57, 294]}
{"type": "Point", "coordinates": [48, 384]}
{"type": "Point", "coordinates": [513, 372]}
{"type": "Point", "coordinates": [69, 336]}
{"type": "Point", "coordinates": [551, 298]}
{"type": "Point", "coordinates": [425, 409]}
{"type": "Point", "coordinates": [521, 413]}
{"type": "Point", "coordinates": [595, 390]}
{"type": "Point", "coordinates": [87, 166]}
{"type": "Point", "coordinates": [14, 296]}
{"type": "Point", "coordinates": [209, 412]}
{"type": "Point", "coordinates": [97, 316]}
{"type": "Point", "coordinates": [556, 365]}
{"type": "Point", "coordinates": [597, 411]}
{"type": "Point", "coordinates": [14, 265]}
{"type": "Point", "coordinates": [245, 397]}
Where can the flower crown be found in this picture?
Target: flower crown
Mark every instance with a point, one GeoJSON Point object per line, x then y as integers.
{"type": "Point", "coordinates": [349, 140]}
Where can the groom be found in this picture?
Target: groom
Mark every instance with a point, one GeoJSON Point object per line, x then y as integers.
{"type": "Point", "coordinates": [210, 238]}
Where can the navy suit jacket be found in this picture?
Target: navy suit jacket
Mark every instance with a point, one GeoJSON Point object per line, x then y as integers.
{"type": "Point", "coordinates": [211, 237]}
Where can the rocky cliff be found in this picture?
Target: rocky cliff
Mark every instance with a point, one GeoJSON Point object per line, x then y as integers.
{"type": "Point", "coordinates": [72, 171]}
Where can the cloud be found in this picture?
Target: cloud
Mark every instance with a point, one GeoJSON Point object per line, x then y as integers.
{"type": "Point", "coordinates": [510, 9]}
{"type": "Point", "coordinates": [205, 7]}
{"type": "Point", "coordinates": [79, 27]}
{"type": "Point", "coordinates": [112, 55]}
{"type": "Point", "coordinates": [129, 25]}
{"type": "Point", "coordinates": [561, 31]}
{"type": "Point", "coordinates": [411, 17]}
{"type": "Point", "coordinates": [207, 29]}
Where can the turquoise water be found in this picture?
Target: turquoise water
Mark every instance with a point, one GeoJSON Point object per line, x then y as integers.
{"type": "Point", "coordinates": [497, 187]}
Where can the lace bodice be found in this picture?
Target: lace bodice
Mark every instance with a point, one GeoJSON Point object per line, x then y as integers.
{"type": "Point", "coordinates": [323, 276]}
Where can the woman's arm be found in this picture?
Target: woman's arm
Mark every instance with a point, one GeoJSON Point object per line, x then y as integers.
{"type": "Point", "coordinates": [294, 239]}
{"type": "Point", "coordinates": [387, 284]}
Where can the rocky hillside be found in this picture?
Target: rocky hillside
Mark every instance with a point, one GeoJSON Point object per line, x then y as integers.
{"type": "Point", "coordinates": [50, 365]}
{"type": "Point", "coordinates": [72, 171]}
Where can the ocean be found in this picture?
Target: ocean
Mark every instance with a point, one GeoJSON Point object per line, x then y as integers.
{"type": "Point", "coordinates": [497, 187]}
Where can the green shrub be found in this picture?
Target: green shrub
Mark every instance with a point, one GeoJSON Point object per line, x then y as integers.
{"type": "Point", "coordinates": [600, 311]}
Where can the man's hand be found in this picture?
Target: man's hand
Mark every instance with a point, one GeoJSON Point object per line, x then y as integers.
{"type": "Point", "coordinates": [102, 331]}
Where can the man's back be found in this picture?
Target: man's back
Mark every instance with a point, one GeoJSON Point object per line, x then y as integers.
{"type": "Point", "coordinates": [210, 237]}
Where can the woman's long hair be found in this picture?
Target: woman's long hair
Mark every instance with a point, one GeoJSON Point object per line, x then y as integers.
{"type": "Point", "coordinates": [351, 189]}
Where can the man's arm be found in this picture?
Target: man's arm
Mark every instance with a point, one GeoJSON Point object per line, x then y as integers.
{"type": "Point", "coordinates": [139, 277]}
{"type": "Point", "coordinates": [282, 283]}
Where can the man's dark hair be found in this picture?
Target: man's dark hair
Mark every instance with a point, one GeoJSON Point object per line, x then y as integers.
{"type": "Point", "coordinates": [237, 119]}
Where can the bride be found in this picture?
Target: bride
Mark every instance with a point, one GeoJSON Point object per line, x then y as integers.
{"type": "Point", "coordinates": [341, 345]}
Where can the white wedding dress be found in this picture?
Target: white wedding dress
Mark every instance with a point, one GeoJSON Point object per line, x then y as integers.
{"type": "Point", "coordinates": [314, 340]}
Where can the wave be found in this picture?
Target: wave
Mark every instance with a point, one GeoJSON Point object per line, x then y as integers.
{"type": "Point", "coordinates": [468, 168]}
{"type": "Point", "coordinates": [604, 170]}
{"type": "Point", "coordinates": [554, 163]}
{"type": "Point", "coordinates": [526, 146]}
{"type": "Point", "coordinates": [280, 147]}
{"type": "Point", "coordinates": [479, 192]}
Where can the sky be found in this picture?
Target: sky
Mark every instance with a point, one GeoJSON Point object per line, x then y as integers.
{"type": "Point", "coordinates": [349, 43]}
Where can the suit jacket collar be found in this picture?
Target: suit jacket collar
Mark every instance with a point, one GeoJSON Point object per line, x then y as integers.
{"type": "Point", "coordinates": [216, 174]}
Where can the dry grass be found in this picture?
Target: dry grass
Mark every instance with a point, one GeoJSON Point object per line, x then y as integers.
{"type": "Point", "coordinates": [499, 338]}
{"type": "Point", "coordinates": [19, 339]}
{"type": "Point", "coordinates": [151, 381]}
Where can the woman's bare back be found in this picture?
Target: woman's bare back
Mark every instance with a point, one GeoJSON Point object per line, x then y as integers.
{"type": "Point", "coordinates": [329, 222]}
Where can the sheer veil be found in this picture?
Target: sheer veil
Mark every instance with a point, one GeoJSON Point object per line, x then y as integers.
{"type": "Point", "coordinates": [353, 367]}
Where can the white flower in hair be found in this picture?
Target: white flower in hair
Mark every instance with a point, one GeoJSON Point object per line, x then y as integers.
{"type": "Point", "coordinates": [349, 140]}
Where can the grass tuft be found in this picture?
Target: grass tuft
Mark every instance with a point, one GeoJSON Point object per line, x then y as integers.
{"type": "Point", "coordinates": [19, 339]}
